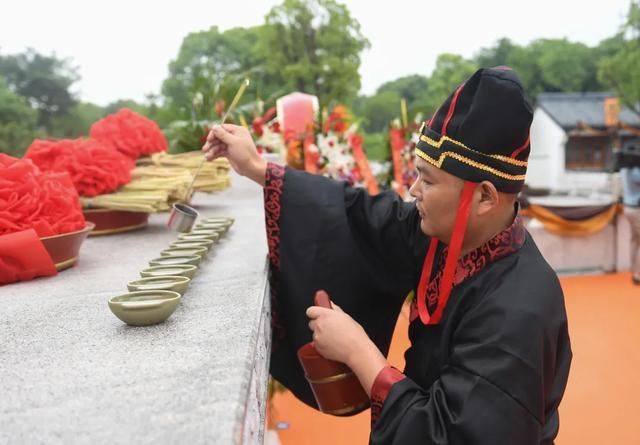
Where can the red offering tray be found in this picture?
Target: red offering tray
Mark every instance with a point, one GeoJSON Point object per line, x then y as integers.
{"type": "Point", "coordinates": [64, 249]}
{"type": "Point", "coordinates": [108, 221]}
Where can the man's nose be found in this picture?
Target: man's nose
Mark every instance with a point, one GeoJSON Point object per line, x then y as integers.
{"type": "Point", "coordinates": [413, 190]}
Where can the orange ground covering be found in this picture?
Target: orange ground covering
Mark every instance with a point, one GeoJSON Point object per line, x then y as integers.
{"type": "Point", "coordinates": [601, 402]}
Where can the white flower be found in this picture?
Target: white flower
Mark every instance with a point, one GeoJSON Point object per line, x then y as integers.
{"type": "Point", "coordinates": [271, 140]}
{"type": "Point", "coordinates": [339, 160]}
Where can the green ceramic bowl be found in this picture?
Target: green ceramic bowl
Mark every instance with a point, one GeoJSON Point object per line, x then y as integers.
{"type": "Point", "coordinates": [219, 219]}
{"type": "Point", "coordinates": [173, 283]}
{"type": "Point", "coordinates": [210, 222]}
{"type": "Point", "coordinates": [144, 308]}
{"type": "Point", "coordinates": [208, 233]}
{"type": "Point", "coordinates": [184, 251]}
{"type": "Point", "coordinates": [206, 243]}
{"type": "Point", "coordinates": [174, 259]}
{"type": "Point", "coordinates": [184, 270]}
{"type": "Point", "coordinates": [199, 237]}
{"type": "Point", "coordinates": [222, 229]}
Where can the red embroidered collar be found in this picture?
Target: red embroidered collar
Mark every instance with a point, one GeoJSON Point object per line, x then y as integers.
{"type": "Point", "coordinates": [503, 244]}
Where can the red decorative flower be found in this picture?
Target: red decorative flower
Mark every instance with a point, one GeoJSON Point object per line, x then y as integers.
{"type": "Point", "coordinates": [29, 198]}
{"type": "Point", "coordinates": [220, 107]}
{"type": "Point", "coordinates": [130, 133]}
{"type": "Point", "coordinates": [356, 139]}
{"type": "Point", "coordinates": [205, 134]}
{"type": "Point", "coordinates": [94, 168]}
{"type": "Point", "coordinates": [256, 126]}
{"type": "Point", "coordinates": [337, 121]}
{"type": "Point", "coordinates": [258, 123]}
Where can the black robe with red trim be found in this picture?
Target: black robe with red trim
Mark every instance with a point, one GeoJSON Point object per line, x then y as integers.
{"type": "Point", "coordinates": [492, 371]}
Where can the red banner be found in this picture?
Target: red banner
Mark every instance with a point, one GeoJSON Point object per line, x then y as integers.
{"type": "Point", "coordinates": [363, 165]}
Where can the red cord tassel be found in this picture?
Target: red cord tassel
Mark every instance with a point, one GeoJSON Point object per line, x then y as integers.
{"type": "Point", "coordinates": [455, 245]}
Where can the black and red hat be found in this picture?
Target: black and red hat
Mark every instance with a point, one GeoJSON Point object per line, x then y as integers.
{"type": "Point", "coordinates": [480, 133]}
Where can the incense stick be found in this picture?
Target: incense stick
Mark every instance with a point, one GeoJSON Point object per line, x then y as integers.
{"type": "Point", "coordinates": [234, 102]}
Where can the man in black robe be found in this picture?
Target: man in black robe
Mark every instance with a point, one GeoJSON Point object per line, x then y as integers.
{"type": "Point", "coordinates": [490, 351]}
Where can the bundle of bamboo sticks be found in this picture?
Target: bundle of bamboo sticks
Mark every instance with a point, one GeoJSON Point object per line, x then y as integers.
{"type": "Point", "coordinates": [161, 180]}
{"type": "Point", "coordinates": [149, 202]}
{"type": "Point", "coordinates": [213, 176]}
{"type": "Point", "coordinates": [152, 189]}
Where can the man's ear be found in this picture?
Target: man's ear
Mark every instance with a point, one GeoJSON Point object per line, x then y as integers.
{"type": "Point", "coordinates": [489, 198]}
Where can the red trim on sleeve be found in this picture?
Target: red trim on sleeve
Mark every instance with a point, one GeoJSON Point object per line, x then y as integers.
{"type": "Point", "coordinates": [273, 188]}
{"type": "Point", "coordinates": [387, 377]}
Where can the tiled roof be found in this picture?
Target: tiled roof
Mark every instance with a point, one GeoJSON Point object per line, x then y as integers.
{"type": "Point", "coordinates": [567, 109]}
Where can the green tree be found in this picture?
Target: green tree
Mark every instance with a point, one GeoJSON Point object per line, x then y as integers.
{"type": "Point", "coordinates": [17, 122]}
{"type": "Point", "coordinates": [408, 87]}
{"type": "Point", "coordinates": [314, 46]}
{"type": "Point", "coordinates": [605, 49]}
{"type": "Point", "coordinates": [550, 64]}
{"type": "Point", "coordinates": [379, 109]}
{"type": "Point", "coordinates": [496, 55]}
{"type": "Point", "coordinates": [209, 67]}
{"type": "Point", "coordinates": [376, 146]}
{"type": "Point", "coordinates": [125, 103]}
{"type": "Point", "coordinates": [609, 46]}
{"type": "Point", "coordinates": [620, 70]}
{"type": "Point", "coordinates": [77, 122]}
{"type": "Point", "coordinates": [44, 80]}
{"type": "Point", "coordinates": [524, 61]}
{"type": "Point", "coordinates": [450, 71]}
{"type": "Point", "coordinates": [564, 65]}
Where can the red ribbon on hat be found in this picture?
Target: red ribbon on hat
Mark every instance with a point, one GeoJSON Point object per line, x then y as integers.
{"type": "Point", "coordinates": [455, 245]}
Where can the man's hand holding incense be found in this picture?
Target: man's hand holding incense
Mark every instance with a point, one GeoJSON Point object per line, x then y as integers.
{"type": "Point", "coordinates": [235, 143]}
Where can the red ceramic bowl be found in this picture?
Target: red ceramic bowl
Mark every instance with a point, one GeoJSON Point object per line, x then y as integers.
{"type": "Point", "coordinates": [335, 387]}
{"type": "Point", "coordinates": [64, 249]}
{"type": "Point", "coordinates": [115, 221]}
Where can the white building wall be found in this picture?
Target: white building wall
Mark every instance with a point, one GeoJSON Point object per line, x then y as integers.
{"type": "Point", "coordinates": [546, 161]}
{"type": "Point", "coordinates": [586, 183]}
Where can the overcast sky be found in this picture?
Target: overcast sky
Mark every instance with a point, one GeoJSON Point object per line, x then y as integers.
{"type": "Point", "coordinates": [122, 48]}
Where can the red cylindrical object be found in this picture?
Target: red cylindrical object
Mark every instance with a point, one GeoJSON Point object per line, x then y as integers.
{"type": "Point", "coordinates": [336, 388]}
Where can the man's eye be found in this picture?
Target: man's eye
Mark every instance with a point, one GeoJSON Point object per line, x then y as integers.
{"type": "Point", "coordinates": [425, 181]}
